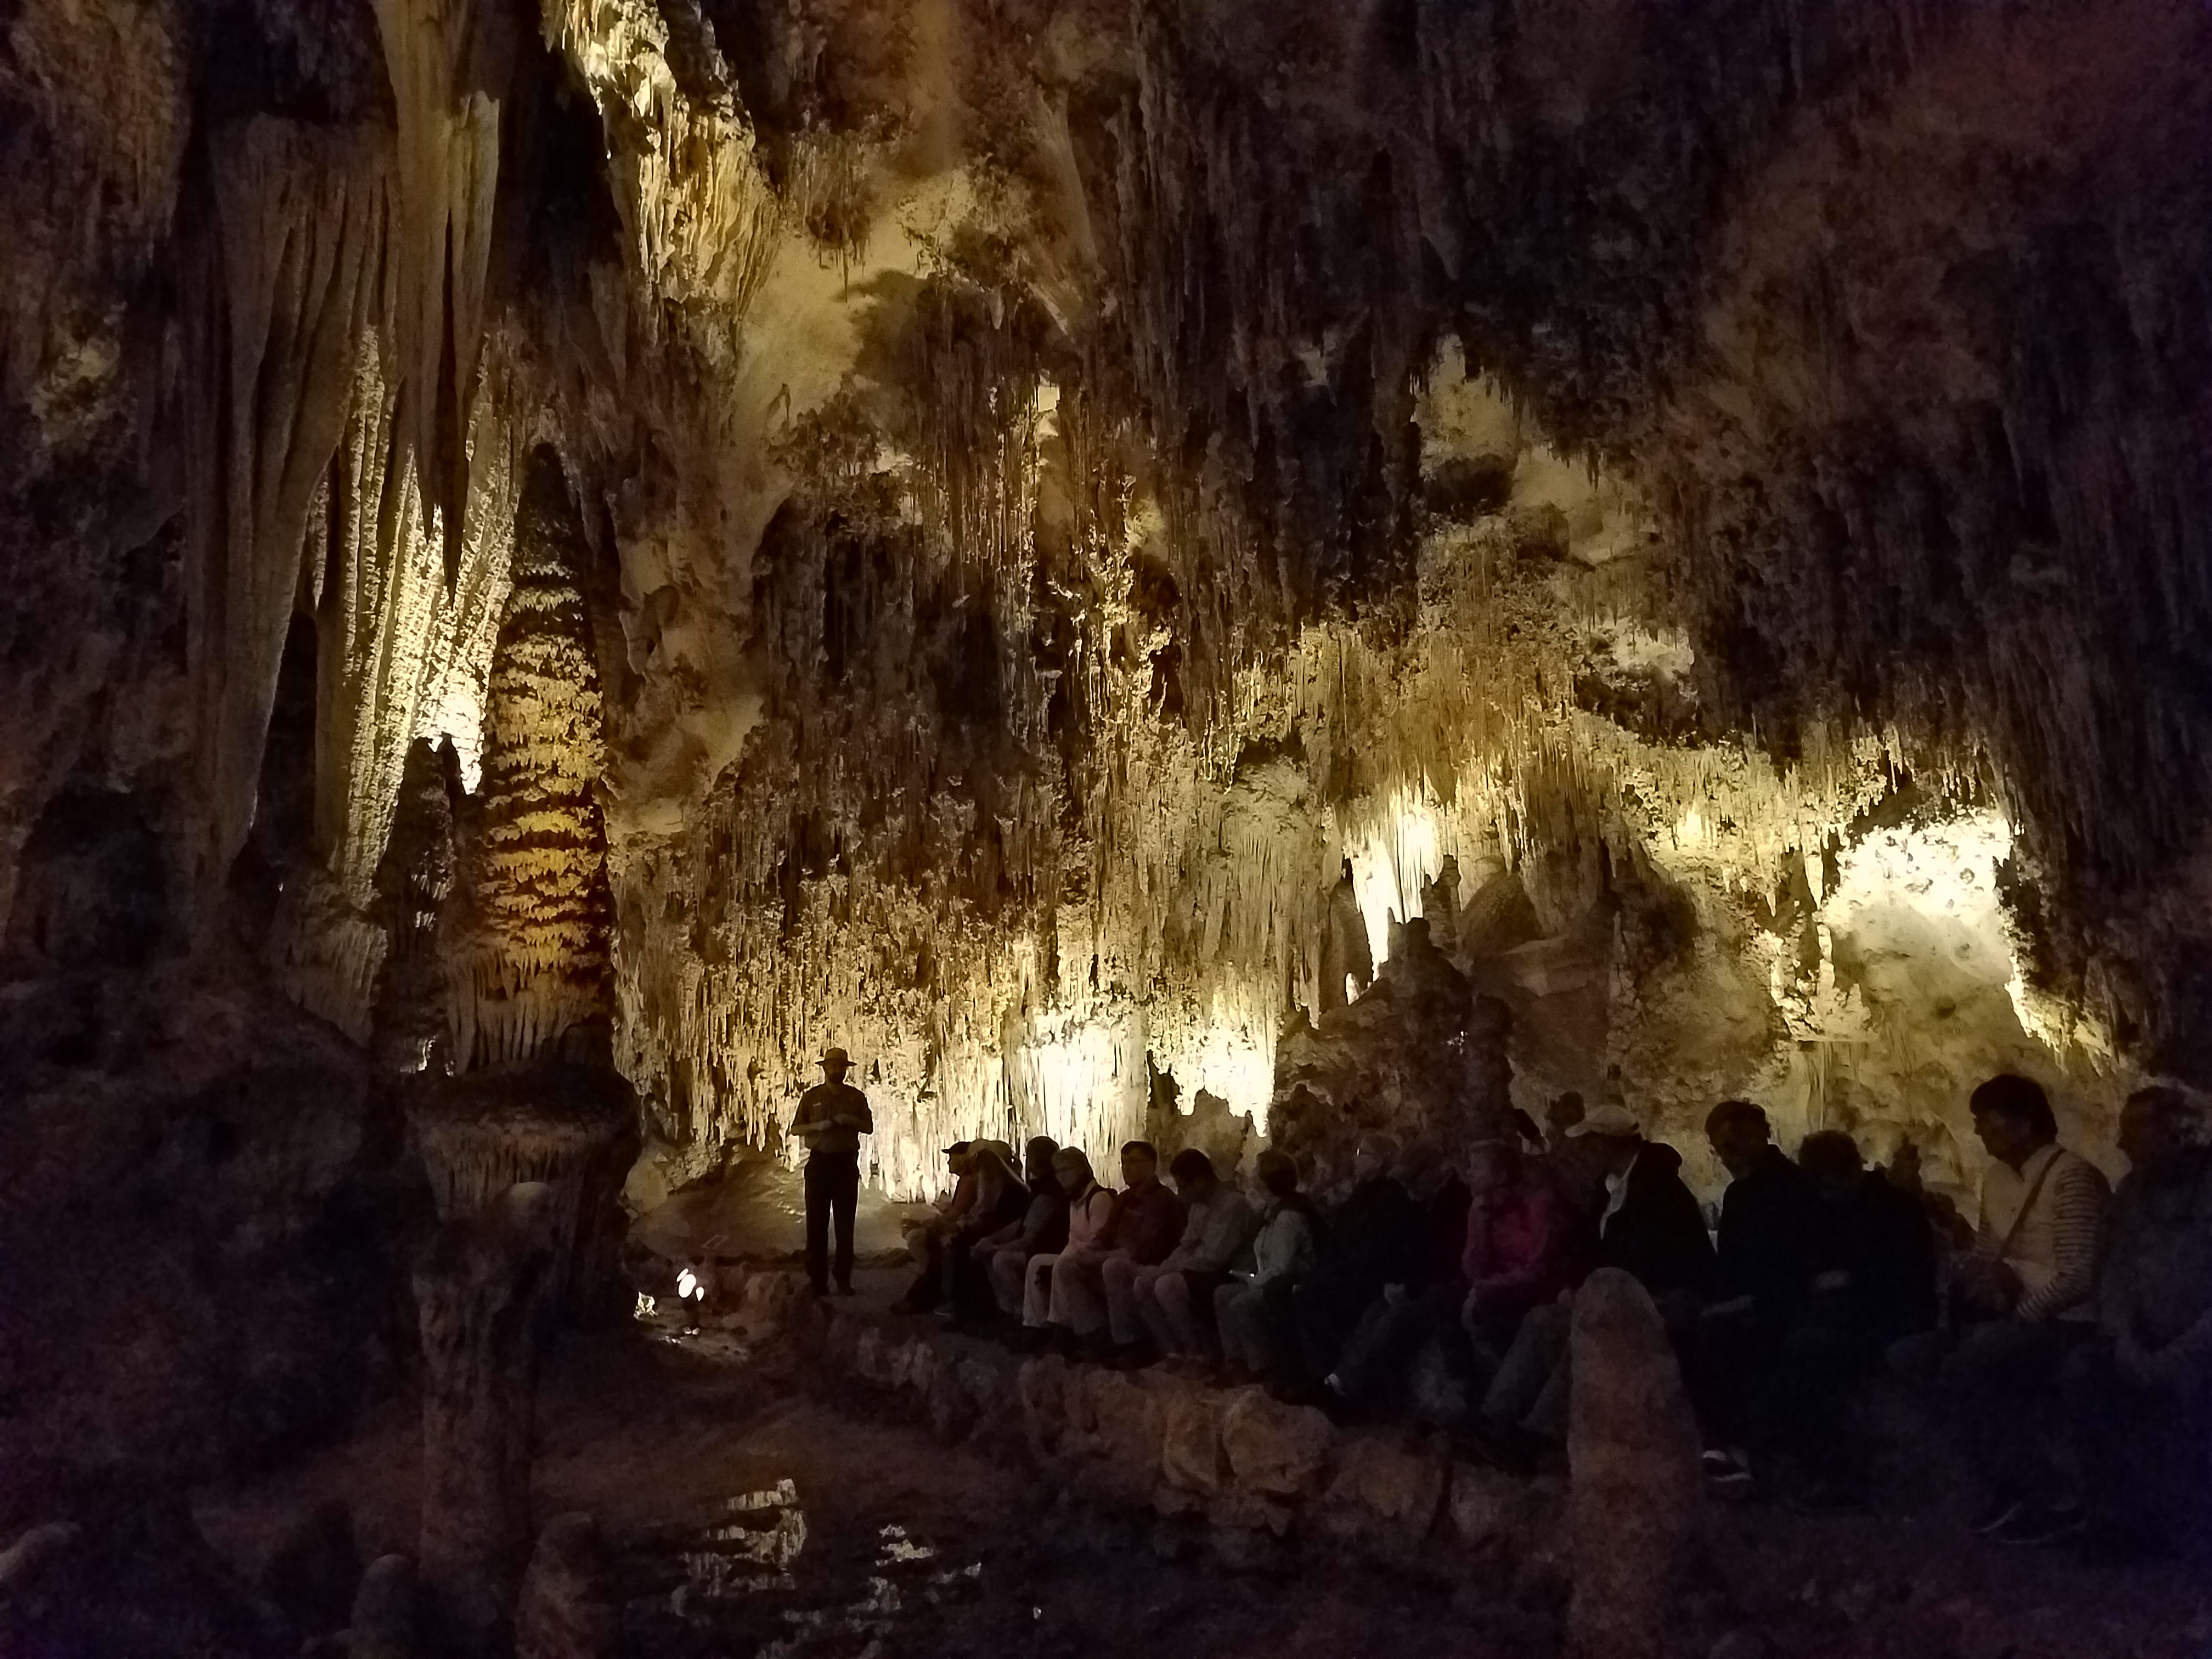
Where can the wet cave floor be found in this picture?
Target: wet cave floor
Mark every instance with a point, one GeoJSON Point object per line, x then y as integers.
{"type": "Point", "coordinates": [753, 1511]}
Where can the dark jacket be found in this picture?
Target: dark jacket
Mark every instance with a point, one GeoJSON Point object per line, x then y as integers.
{"type": "Point", "coordinates": [1768, 1217]}
{"type": "Point", "coordinates": [1147, 1222]}
{"type": "Point", "coordinates": [1376, 1234]}
{"type": "Point", "coordinates": [1444, 1233]}
{"type": "Point", "coordinates": [1880, 1240]}
{"type": "Point", "coordinates": [1658, 1234]}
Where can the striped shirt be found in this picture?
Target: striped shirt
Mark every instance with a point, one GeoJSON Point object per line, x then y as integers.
{"type": "Point", "coordinates": [2044, 1227]}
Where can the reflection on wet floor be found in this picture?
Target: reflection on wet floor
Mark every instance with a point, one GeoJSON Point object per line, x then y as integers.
{"type": "Point", "coordinates": [741, 1580]}
{"type": "Point", "coordinates": [681, 1325]}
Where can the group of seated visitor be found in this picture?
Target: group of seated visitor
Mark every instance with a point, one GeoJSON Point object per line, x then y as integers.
{"type": "Point", "coordinates": [2065, 1340]}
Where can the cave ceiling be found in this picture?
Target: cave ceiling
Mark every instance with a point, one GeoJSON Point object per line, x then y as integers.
{"type": "Point", "coordinates": [1049, 484]}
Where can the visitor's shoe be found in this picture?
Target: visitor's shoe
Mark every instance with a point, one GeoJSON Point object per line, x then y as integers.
{"type": "Point", "coordinates": [2037, 1524]}
{"type": "Point", "coordinates": [1998, 1512]}
{"type": "Point", "coordinates": [842, 1290]}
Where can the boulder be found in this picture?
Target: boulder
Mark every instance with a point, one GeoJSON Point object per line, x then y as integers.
{"type": "Point", "coordinates": [566, 1609]}
{"type": "Point", "coordinates": [1635, 1493]}
{"type": "Point", "coordinates": [1190, 1450]}
{"type": "Point", "coordinates": [1271, 1447]}
{"type": "Point", "coordinates": [1380, 1495]}
{"type": "Point", "coordinates": [1131, 1417]}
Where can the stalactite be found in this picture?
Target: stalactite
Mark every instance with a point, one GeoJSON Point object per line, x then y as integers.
{"type": "Point", "coordinates": [701, 215]}
{"type": "Point", "coordinates": [288, 291]}
{"type": "Point", "coordinates": [450, 62]}
{"type": "Point", "coordinates": [404, 653]}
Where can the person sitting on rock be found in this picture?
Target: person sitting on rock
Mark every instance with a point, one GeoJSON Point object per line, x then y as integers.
{"type": "Point", "coordinates": [2139, 1395]}
{"type": "Point", "coordinates": [1177, 1298]}
{"type": "Point", "coordinates": [1048, 1295]}
{"type": "Point", "coordinates": [1651, 1229]}
{"type": "Point", "coordinates": [1424, 1307]}
{"type": "Point", "coordinates": [1284, 1250]}
{"type": "Point", "coordinates": [1373, 1240]}
{"type": "Point", "coordinates": [1521, 1249]}
{"type": "Point", "coordinates": [1762, 1276]}
{"type": "Point", "coordinates": [986, 1195]}
{"type": "Point", "coordinates": [2021, 1304]}
{"type": "Point", "coordinates": [1145, 1224]}
{"type": "Point", "coordinates": [1872, 1262]}
{"type": "Point", "coordinates": [1000, 1261]}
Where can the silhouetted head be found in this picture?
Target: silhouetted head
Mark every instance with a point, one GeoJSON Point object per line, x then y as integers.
{"type": "Point", "coordinates": [2012, 1117]}
{"type": "Point", "coordinates": [1739, 1133]}
{"type": "Point", "coordinates": [2158, 1125]}
{"type": "Point", "coordinates": [1277, 1173]}
{"type": "Point", "coordinates": [1832, 1159]}
{"type": "Point", "coordinates": [1070, 1167]}
{"type": "Point", "coordinates": [1193, 1171]}
{"type": "Point", "coordinates": [835, 1064]}
{"type": "Point", "coordinates": [1037, 1156]}
{"type": "Point", "coordinates": [1141, 1163]}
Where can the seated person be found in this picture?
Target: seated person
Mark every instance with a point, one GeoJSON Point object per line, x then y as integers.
{"type": "Point", "coordinates": [1762, 1275]}
{"type": "Point", "coordinates": [1089, 1214]}
{"type": "Point", "coordinates": [1428, 1307]}
{"type": "Point", "coordinates": [1373, 1238]}
{"type": "Point", "coordinates": [1146, 1222]}
{"type": "Point", "coordinates": [1283, 1251]}
{"type": "Point", "coordinates": [2139, 1393]}
{"type": "Point", "coordinates": [1176, 1298]}
{"type": "Point", "coordinates": [2021, 1305]}
{"type": "Point", "coordinates": [1000, 1261]}
{"type": "Point", "coordinates": [1522, 1246]}
{"type": "Point", "coordinates": [1650, 1228]}
{"type": "Point", "coordinates": [990, 1196]}
{"type": "Point", "coordinates": [1871, 1257]}
{"type": "Point", "coordinates": [924, 1235]}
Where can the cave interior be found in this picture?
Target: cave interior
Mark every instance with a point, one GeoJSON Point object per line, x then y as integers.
{"type": "Point", "coordinates": [1240, 575]}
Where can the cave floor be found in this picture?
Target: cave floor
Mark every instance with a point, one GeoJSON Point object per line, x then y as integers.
{"type": "Point", "coordinates": [751, 1511]}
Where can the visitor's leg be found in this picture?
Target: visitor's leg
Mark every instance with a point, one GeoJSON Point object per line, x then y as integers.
{"type": "Point", "coordinates": [1999, 1387]}
{"type": "Point", "coordinates": [1128, 1298]}
{"type": "Point", "coordinates": [1538, 1347]}
{"type": "Point", "coordinates": [1376, 1350]}
{"type": "Point", "coordinates": [1167, 1310]}
{"type": "Point", "coordinates": [1078, 1296]}
{"type": "Point", "coordinates": [845, 1202]}
{"type": "Point", "coordinates": [816, 1179]}
{"type": "Point", "coordinates": [1008, 1275]}
{"type": "Point", "coordinates": [1038, 1278]}
{"type": "Point", "coordinates": [1235, 1316]}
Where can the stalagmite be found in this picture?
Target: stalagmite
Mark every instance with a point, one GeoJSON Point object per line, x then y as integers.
{"type": "Point", "coordinates": [1636, 1490]}
{"type": "Point", "coordinates": [484, 1294]}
